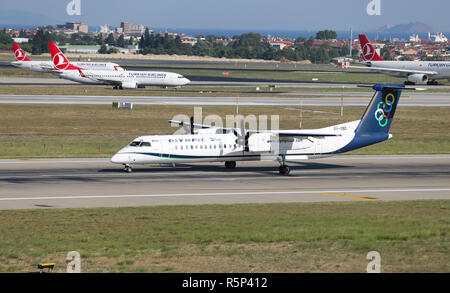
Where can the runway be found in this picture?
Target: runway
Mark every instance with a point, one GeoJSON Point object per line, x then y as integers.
{"type": "Point", "coordinates": [70, 183]}
{"type": "Point", "coordinates": [355, 99]}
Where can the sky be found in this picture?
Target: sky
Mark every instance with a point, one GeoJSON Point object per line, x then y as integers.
{"type": "Point", "coordinates": [232, 14]}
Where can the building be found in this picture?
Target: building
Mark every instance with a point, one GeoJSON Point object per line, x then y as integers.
{"type": "Point", "coordinates": [77, 27]}
{"type": "Point", "coordinates": [80, 49]}
{"type": "Point", "coordinates": [126, 26]}
{"type": "Point", "coordinates": [132, 30]}
{"type": "Point", "coordinates": [437, 38]}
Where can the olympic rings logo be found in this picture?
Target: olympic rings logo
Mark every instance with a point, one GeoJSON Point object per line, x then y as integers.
{"type": "Point", "coordinates": [384, 110]}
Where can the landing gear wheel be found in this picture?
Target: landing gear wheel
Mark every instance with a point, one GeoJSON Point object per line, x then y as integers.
{"type": "Point", "coordinates": [409, 83]}
{"type": "Point", "coordinates": [127, 169]}
{"type": "Point", "coordinates": [432, 82]}
{"type": "Point", "coordinates": [115, 87]}
{"type": "Point", "coordinates": [230, 164]}
{"type": "Point", "coordinates": [284, 170]}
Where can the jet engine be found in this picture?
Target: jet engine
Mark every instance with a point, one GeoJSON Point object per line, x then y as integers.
{"type": "Point", "coordinates": [129, 85]}
{"type": "Point", "coordinates": [418, 78]}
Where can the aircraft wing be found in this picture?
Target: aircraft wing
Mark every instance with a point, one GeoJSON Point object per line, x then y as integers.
{"type": "Point", "coordinates": [398, 70]}
{"type": "Point", "coordinates": [304, 133]}
{"type": "Point", "coordinates": [104, 80]}
{"type": "Point", "coordinates": [281, 133]}
{"type": "Point", "coordinates": [46, 67]}
{"type": "Point", "coordinates": [196, 125]}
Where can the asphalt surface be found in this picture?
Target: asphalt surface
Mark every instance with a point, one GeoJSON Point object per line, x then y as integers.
{"type": "Point", "coordinates": [70, 183]}
{"type": "Point", "coordinates": [355, 99]}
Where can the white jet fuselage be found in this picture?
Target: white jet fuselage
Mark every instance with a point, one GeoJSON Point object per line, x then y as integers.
{"type": "Point", "coordinates": [47, 66]}
{"type": "Point", "coordinates": [127, 79]}
{"type": "Point", "coordinates": [442, 68]}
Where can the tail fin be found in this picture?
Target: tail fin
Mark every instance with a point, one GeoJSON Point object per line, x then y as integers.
{"type": "Point", "coordinates": [60, 61]}
{"type": "Point", "coordinates": [369, 53]}
{"type": "Point", "coordinates": [377, 119]}
{"type": "Point", "coordinates": [19, 53]}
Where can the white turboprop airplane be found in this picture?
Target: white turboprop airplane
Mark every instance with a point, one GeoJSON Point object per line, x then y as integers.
{"type": "Point", "coordinates": [118, 79]}
{"type": "Point", "coordinates": [213, 144]}
{"type": "Point", "coordinates": [23, 62]}
{"type": "Point", "coordinates": [414, 71]}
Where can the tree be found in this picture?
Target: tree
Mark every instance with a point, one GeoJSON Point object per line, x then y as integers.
{"type": "Point", "coordinates": [110, 40]}
{"type": "Point", "coordinates": [326, 35]}
{"type": "Point", "coordinates": [40, 41]}
{"type": "Point", "coordinates": [121, 42]}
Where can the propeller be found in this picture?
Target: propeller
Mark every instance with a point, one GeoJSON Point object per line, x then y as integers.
{"type": "Point", "coordinates": [241, 137]}
{"type": "Point", "coordinates": [189, 128]}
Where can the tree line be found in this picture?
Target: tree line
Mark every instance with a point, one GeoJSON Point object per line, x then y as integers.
{"type": "Point", "coordinates": [245, 46]}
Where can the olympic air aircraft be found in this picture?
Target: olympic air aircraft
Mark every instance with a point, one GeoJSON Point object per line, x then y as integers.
{"type": "Point", "coordinates": [213, 144]}
{"type": "Point", "coordinates": [23, 62]}
{"type": "Point", "coordinates": [118, 79]}
{"type": "Point", "coordinates": [414, 71]}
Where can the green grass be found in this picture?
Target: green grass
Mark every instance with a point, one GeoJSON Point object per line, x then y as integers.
{"type": "Point", "coordinates": [411, 236]}
{"type": "Point", "coordinates": [36, 131]}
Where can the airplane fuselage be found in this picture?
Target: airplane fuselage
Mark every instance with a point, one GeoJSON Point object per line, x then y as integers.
{"type": "Point", "coordinates": [441, 67]}
{"type": "Point", "coordinates": [135, 78]}
{"type": "Point", "coordinates": [47, 66]}
{"type": "Point", "coordinates": [157, 149]}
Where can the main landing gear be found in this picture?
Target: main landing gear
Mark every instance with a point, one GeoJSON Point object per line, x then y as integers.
{"type": "Point", "coordinates": [284, 169]}
{"type": "Point", "coordinates": [127, 169]}
{"type": "Point", "coordinates": [432, 82]}
{"type": "Point", "coordinates": [230, 164]}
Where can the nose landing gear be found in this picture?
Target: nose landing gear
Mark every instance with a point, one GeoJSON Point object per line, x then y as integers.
{"type": "Point", "coordinates": [127, 168]}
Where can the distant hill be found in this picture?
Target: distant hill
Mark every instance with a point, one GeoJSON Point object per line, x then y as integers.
{"type": "Point", "coordinates": [413, 27]}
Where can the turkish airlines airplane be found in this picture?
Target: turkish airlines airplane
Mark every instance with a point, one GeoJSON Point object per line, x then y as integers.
{"type": "Point", "coordinates": [118, 79]}
{"type": "Point", "coordinates": [215, 144]}
{"type": "Point", "coordinates": [414, 71]}
{"type": "Point", "coordinates": [22, 61]}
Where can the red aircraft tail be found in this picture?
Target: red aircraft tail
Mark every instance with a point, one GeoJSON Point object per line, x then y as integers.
{"type": "Point", "coordinates": [369, 53]}
{"type": "Point", "coordinates": [19, 53]}
{"type": "Point", "coordinates": [60, 61]}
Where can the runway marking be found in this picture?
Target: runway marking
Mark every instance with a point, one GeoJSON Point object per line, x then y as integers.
{"type": "Point", "coordinates": [222, 194]}
{"type": "Point", "coordinates": [349, 196]}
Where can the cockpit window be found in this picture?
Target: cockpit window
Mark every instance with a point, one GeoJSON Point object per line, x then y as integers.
{"type": "Point", "coordinates": [180, 76]}
{"type": "Point", "coordinates": [140, 143]}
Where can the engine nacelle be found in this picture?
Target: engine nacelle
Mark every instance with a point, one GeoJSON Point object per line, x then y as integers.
{"type": "Point", "coordinates": [129, 85]}
{"type": "Point", "coordinates": [418, 78]}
